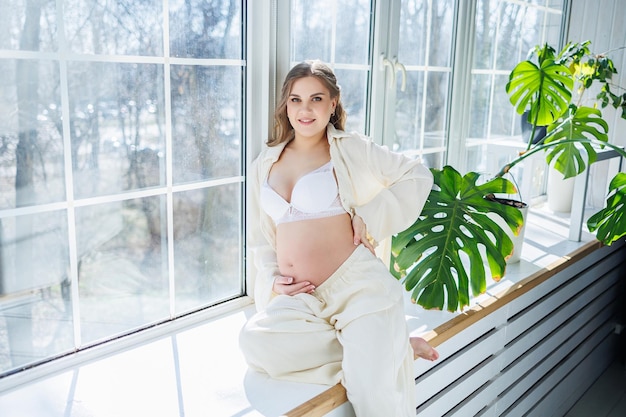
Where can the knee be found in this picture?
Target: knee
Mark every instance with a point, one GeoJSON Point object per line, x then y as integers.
{"type": "Point", "coordinates": [249, 346]}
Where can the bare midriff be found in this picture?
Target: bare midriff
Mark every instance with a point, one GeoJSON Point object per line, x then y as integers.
{"type": "Point", "coordinates": [311, 250]}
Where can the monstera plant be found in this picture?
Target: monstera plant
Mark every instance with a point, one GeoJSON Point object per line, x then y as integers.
{"type": "Point", "coordinates": [455, 245]}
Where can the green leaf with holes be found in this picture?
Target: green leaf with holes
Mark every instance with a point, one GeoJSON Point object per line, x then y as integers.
{"type": "Point", "coordinates": [544, 90]}
{"type": "Point", "coordinates": [580, 123]}
{"type": "Point", "coordinates": [455, 244]}
{"type": "Point", "coordinates": [610, 222]}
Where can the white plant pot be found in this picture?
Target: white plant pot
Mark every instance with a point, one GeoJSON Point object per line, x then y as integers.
{"type": "Point", "coordinates": [560, 191]}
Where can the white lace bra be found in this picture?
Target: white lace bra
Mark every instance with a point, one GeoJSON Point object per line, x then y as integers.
{"type": "Point", "coordinates": [315, 195]}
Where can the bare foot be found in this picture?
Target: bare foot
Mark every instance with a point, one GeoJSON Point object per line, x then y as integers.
{"type": "Point", "coordinates": [421, 349]}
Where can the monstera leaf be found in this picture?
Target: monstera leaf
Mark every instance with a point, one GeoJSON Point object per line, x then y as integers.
{"type": "Point", "coordinates": [454, 244]}
{"type": "Point", "coordinates": [580, 123]}
{"type": "Point", "coordinates": [610, 222]}
{"type": "Point", "coordinates": [545, 90]}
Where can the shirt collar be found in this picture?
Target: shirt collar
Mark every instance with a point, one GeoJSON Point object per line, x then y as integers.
{"type": "Point", "coordinates": [334, 133]}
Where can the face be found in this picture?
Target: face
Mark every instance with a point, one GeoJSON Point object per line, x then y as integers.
{"type": "Point", "coordinates": [309, 107]}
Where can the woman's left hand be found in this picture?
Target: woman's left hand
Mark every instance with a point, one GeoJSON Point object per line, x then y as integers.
{"type": "Point", "coordinates": [360, 233]}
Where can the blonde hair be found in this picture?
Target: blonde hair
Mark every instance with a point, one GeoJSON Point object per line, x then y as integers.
{"type": "Point", "coordinates": [283, 131]}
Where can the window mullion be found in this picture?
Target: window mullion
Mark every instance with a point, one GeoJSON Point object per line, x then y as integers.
{"type": "Point", "coordinates": [282, 27]}
{"type": "Point", "coordinates": [262, 63]}
{"type": "Point", "coordinates": [385, 45]}
{"type": "Point", "coordinates": [459, 123]}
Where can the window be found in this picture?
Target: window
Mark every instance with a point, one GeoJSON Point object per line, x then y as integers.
{"type": "Point", "coordinates": [428, 63]}
{"type": "Point", "coordinates": [505, 31]}
{"type": "Point", "coordinates": [123, 126]}
{"type": "Point", "coordinates": [423, 81]}
{"type": "Point", "coordinates": [393, 61]}
{"type": "Point", "coordinates": [121, 173]}
{"type": "Point", "coordinates": [318, 31]}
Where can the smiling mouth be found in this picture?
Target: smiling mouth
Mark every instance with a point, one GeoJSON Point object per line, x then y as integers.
{"type": "Point", "coordinates": [306, 121]}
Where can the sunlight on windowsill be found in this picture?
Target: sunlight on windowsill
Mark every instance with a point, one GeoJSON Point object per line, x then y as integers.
{"type": "Point", "coordinates": [199, 370]}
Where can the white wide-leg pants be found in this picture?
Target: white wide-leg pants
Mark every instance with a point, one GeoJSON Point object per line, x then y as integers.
{"type": "Point", "coordinates": [351, 330]}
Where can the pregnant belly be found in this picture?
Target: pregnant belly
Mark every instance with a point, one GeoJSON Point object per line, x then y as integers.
{"type": "Point", "coordinates": [311, 250]}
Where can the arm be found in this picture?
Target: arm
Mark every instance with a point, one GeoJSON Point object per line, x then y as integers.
{"type": "Point", "coordinates": [263, 271]}
{"type": "Point", "coordinates": [406, 185]}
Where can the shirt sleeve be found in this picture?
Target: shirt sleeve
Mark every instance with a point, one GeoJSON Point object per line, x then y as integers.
{"type": "Point", "coordinates": [264, 269]}
{"type": "Point", "coordinates": [406, 185]}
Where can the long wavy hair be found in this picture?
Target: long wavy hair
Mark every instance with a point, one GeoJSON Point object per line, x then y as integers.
{"type": "Point", "coordinates": [283, 131]}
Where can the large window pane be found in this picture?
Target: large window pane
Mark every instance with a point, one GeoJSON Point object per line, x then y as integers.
{"type": "Point", "coordinates": [120, 27]}
{"type": "Point", "coordinates": [114, 154]}
{"type": "Point", "coordinates": [424, 51]}
{"type": "Point", "coordinates": [33, 253]}
{"type": "Point", "coordinates": [318, 31]}
{"type": "Point", "coordinates": [485, 23]}
{"type": "Point", "coordinates": [206, 29]}
{"type": "Point", "coordinates": [434, 160]}
{"type": "Point", "coordinates": [17, 34]}
{"type": "Point", "coordinates": [480, 105]}
{"type": "Point", "coordinates": [354, 97]}
{"type": "Point", "coordinates": [31, 144]}
{"type": "Point", "coordinates": [117, 127]}
{"type": "Point", "coordinates": [421, 112]}
{"type": "Point", "coordinates": [35, 308]}
{"type": "Point", "coordinates": [505, 31]}
{"type": "Point", "coordinates": [426, 35]}
{"type": "Point", "coordinates": [123, 266]}
{"type": "Point", "coordinates": [207, 254]}
{"type": "Point", "coordinates": [206, 122]}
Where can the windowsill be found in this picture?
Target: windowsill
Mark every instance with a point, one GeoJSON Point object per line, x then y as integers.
{"type": "Point", "coordinates": [194, 371]}
{"type": "Point", "coordinates": [196, 368]}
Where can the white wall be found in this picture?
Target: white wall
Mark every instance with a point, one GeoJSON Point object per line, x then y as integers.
{"type": "Point", "coordinates": [602, 22]}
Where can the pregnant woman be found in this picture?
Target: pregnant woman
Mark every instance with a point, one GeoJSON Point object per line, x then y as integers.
{"type": "Point", "coordinates": [319, 200]}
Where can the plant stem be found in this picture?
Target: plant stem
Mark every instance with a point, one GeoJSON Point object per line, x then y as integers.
{"type": "Point", "coordinates": [505, 169]}
{"type": "Point", "coordinates": [532, 133]}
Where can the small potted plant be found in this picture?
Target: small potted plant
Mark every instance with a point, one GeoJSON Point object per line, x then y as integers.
{"type": "Point", "coordinates": [455, 244]}
{"type": "Point", "coordinates": [546, 88]}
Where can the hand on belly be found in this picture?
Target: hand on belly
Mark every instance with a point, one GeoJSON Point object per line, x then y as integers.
{"type": "Point", "coordinates": [288, 286]}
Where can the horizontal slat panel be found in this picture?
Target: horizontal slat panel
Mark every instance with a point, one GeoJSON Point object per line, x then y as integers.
{"type": "Point", "coordinates": [478, 399]}
{"type": "Point", "coordinates": [568, 391]}
{"type": "Point", "coordinates": [460, 389]}
{"type": "Point", "coordinates": [591, 317]}
{"type": "Point", "coordinates": [582, 324]}
{"type": "Point", "coordinates": [557, 373]}
{"type": "Point", "coordinates": [556, 326]}
{"type": "Point", "coordinates": [549, 302]}
{"type": "Point", "coordinates": [549, 320]}
{"type": "Point", "coordinates": [534, 366]}
{"type": "Point", "coordinates": [459, 342]}
{"type": "Point", "coordinates": [459, 364]}
{"type": "Point", "coordinates": [559, 273]}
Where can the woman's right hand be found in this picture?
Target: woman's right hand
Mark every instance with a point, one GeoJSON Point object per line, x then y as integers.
{"type": "Point", "coordinates": [286, 286]}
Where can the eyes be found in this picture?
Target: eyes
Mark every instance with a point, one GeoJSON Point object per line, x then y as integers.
{"type": "Point", "coordinates": [294, 99]}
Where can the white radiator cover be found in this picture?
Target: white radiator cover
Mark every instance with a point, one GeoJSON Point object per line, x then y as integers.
{"type": "Point", "coordinates": [536, 355]}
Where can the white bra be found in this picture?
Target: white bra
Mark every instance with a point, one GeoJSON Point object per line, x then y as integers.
{"type": "Point", "coordinates": [315, 195]}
